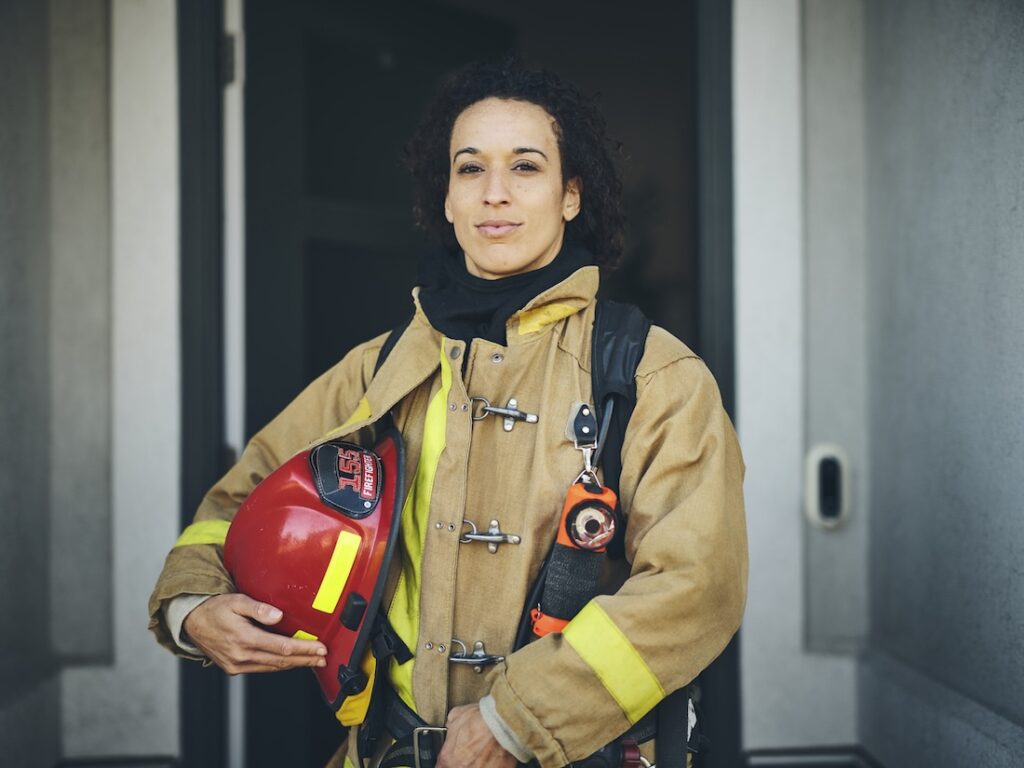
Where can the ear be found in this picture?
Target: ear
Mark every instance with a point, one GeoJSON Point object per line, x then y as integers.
{"type": "Point", "coordinates": [571, 199]}
{"type": "Point", "coordinates": [448, 210]}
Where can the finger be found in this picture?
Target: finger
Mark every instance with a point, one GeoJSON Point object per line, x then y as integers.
{"type": "Point", "coordinates": [259, 611]}
{"type": "Point", "coordinates": [444, 756]}
{"type": "Point", "coordinates": [270, 662]}
{"type": "Point", "coordinates": [257, 639]}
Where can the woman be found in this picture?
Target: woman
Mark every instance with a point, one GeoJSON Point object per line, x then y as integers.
{"type": "Point", "coordinates": [513, 175]}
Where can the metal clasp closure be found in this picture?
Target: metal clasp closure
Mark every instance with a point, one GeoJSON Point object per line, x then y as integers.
{"type": "Point", "coordinates": [482, 408]}
{"type": "Point", "coordinates": [478, 659]}
{"type": "Point", "coordinates": [493, 537]}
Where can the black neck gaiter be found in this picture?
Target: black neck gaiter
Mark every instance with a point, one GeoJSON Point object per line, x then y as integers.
{"type": "Point", "coordinates": [463, 306]}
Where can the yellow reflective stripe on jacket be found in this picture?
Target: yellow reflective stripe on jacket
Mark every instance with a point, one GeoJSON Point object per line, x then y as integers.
{"type": "Point", "coordinates": [204, 532]}
{"type": "Point", "coordinates": [340, 566]}
{"type": "Point", "coordinates": [361, 413]}
{"type": "Point", "coordinates": [404, 613]}
{"type": "Point", "coordinates": [533, 320]}
{"type": "Point", "coordinates": [622, 671]}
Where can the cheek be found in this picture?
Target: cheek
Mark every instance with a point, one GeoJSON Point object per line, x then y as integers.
{"type": "Point", "coordinates": [455, 208]}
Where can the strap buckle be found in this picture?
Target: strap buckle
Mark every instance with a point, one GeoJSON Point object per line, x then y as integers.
{"type": "Point", "coordinates": [432, 753]}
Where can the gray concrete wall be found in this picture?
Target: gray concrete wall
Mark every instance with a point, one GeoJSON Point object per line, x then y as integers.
{"type": "Point", "coordinates": [88, 265]}
{"type": "Point", "coordinates": [131, 706]}
{"type": "Point", "coordinates": [27, 663]}
{"type": "Point", "coordinates": [945, 223]}
{"type": "Point", "coordinates": [80, 316]}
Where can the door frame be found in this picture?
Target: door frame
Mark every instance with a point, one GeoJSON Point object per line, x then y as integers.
{"type": "Point", "coordinates": [213, 363]}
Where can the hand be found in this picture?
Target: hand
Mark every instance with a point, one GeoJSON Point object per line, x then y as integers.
{"type": "Point", "coordinates": [224, 628]}
{"type": "Point", "coordinates": [470, 742]}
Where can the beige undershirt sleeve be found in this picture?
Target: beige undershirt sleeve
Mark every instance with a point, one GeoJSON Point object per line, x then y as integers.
{"type": "Point", "coordinates": [175, 611]}
{"type": "Point", "coordinates": [502, 733]}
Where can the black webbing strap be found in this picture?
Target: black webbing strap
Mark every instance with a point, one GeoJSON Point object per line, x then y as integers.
{"type": "Point", "coordinates": [389, 343]}
{"type": "Point", "coordinates": [619, 337]}
{"type": "Point", "coordinates": [401, 724]}
{"type": "Point", "coordinates": [386, 421]}
{"type": "Point", "coordinates": [673, 714]}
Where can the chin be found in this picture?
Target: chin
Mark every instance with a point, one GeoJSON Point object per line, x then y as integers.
{"type": "Point", "coordinates": [505, 263]}
{"type": "Point", "coordinates": [504, 266]}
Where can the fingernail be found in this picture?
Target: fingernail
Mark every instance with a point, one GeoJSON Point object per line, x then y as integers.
{"type": "Point", "coordinates": [322, 663]}
{"type": "Point", "coordinates": [321, 651]}
{"type": "Point", "coordinates": [274, 613]}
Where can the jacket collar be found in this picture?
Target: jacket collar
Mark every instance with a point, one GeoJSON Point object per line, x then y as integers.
{"type": "Point", "coordinates": [546, 308]}
{"type": "Point", "coordinates": [416, 355]}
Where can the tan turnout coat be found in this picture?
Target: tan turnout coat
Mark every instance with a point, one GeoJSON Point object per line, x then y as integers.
{"type": "Point", "coordinates": [682, 591]}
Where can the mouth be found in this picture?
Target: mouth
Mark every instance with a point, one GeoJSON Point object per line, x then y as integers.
{"type": "Point", "coordinates": [497, 227]}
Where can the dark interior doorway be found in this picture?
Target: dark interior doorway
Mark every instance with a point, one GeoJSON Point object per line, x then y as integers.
{"type": "Point", "coordinates": [332, 92]}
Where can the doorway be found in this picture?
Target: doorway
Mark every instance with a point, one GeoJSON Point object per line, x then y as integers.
{"type": "Point", "coordinates": [332, 91]}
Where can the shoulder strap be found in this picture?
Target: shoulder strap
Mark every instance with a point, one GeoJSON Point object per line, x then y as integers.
{"type": "Point", "coordinates": [620, 333]}
{"type": "Point", "coordinates": [389, 343]}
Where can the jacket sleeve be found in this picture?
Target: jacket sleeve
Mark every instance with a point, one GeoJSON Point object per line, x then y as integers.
{"type": "Point", "coordinates": [568, 694]}
{"type": "Point", "coordinates": [195, 565]}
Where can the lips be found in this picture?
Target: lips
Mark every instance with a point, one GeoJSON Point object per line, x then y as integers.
{"type": "Point", "coordinates": [496, 227]}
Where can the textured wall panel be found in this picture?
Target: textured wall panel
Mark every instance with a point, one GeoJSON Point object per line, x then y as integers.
{"type": "Point", "coordinates": [945, 85]}
{"type": "Point", "coordinates": [26, 659]}
{"type": "Point", "coordinates": [80, 329]}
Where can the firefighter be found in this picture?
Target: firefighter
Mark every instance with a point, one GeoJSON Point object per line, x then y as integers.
{"type": "Point", "coordinates": [514, 176]}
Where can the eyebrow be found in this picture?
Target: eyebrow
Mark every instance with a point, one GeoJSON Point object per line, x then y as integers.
{"type": "Point", "coordinates": [516, 151]}
{"type": "Point", "coordinates": [525, 150]}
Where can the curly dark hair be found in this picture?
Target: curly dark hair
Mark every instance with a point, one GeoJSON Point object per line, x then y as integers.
{"type": "Point", "coordinates": [582, 142]}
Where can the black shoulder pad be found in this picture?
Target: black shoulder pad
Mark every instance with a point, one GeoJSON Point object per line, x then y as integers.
{"type": "Point", "coordinates": [620, 333]}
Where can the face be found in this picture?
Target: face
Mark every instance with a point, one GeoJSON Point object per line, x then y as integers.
{"type": "Point", "coordinates": [506, 198]}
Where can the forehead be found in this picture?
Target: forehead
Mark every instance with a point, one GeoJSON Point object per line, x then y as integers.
{"type": "Point", "coordinates": [496, 124]}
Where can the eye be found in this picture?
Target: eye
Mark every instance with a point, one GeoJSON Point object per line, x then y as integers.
{"type": "Point", "coordinates": [468, 168]}
{"type": "Point", "coordinates": [525, 165]}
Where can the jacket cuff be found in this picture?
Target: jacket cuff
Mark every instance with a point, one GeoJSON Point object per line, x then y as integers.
{"type": "Point", "coordinates": [517, 719]}
{"type": "Point", "coordinates": [502, 733]}
{"type": "Point", "coordinates": [176, 610]}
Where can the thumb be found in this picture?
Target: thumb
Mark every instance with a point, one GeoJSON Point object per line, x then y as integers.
{"type": "Point", "coordinates": [264, 613]}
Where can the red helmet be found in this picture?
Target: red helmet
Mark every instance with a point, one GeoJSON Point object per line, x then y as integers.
{"type": "Point", "coordinates": [315, 539]}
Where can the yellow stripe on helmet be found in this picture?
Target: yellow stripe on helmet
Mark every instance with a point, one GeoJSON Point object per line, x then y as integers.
{"type": "Point", "coordinates": [344, 556]}
{"type": "Point", "coordinates": [618, 665]}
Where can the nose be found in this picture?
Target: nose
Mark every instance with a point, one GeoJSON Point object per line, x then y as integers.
{"type": "Point", "coordinates": [496, 190]}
